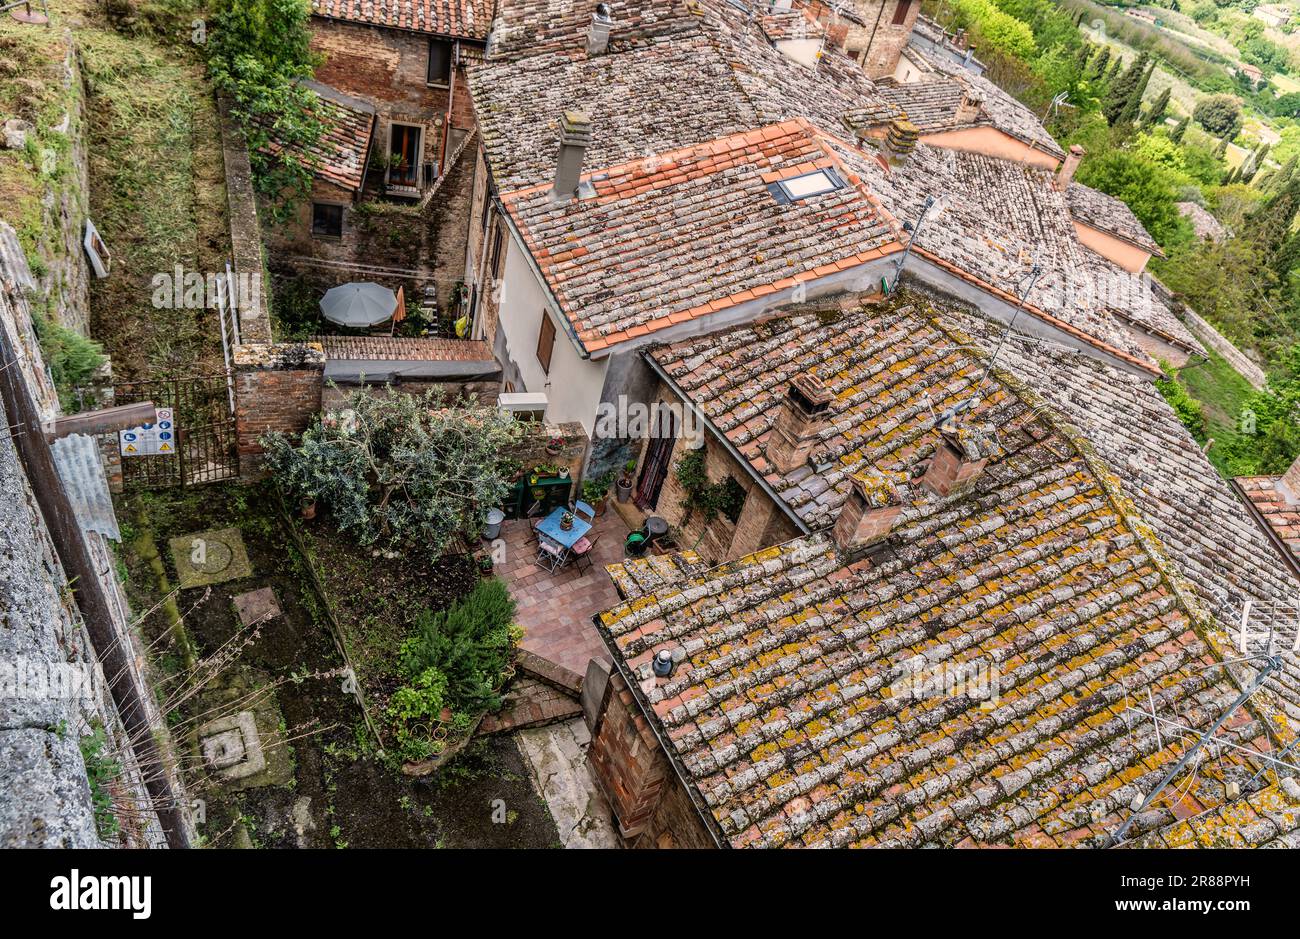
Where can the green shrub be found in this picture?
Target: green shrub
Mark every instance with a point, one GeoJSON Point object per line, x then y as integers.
{"type": "Point", "coordinates": [1187, 408]}
{"type": "Point", "coordinates": [101, 770]}
{"type": "Point", "coordinates": [454, 659]}
{"type": "Point", "coordinates": [71, 358]}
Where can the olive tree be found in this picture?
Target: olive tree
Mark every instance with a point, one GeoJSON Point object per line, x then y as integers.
{"type": "Point", "coordinates": [397, 470]}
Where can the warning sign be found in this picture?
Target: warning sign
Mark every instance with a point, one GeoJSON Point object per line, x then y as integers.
{"type": "Point", "coordinates": [154, 439]}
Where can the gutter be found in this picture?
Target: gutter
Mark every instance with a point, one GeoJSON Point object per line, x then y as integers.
{"type": "Point", "coordinates": [730, 448]}
{"type": "Point", "coordinates": [692, 793]}
{"type": "Point", "coordinates": [1292, 562]}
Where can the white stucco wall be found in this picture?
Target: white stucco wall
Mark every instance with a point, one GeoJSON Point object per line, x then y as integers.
{"type": "Point", "coordinates": [574, 384]}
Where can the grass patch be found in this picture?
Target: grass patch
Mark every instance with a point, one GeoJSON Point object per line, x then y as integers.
{"type": "Point", "coordinates": [157, 190]}
{"type": "Point", "coordinates": [1222, 393]}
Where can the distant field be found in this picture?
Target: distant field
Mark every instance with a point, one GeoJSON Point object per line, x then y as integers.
{"type": "Point", "coordinates": [1285, 83]}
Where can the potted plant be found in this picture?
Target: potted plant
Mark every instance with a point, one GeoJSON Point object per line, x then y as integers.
{"type": "Point", "coordinates": [624, 484]}
{"type": "Point", "coordinates": [484, 563]}
{"type": "Point", "coordinates": [566, 521]}
{"type": "Point", "coordinates": [563, 472]}
{"type": "Point", "coordinates": [596, 492]}
{"type": "Point", "coordinates": [307, 507]}
{"type": "Point", "coordinates": [554, 446]}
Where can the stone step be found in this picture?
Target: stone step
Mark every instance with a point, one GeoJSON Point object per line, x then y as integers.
{"type": "Point", "coordinates": [531, 703]}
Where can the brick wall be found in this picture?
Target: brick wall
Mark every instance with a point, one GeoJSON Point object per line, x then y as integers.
{"type": "Point", "coordinates": [277, 388]}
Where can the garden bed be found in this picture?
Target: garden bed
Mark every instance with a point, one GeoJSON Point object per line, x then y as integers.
{"type": "Point", "coordinates": [340, 793]}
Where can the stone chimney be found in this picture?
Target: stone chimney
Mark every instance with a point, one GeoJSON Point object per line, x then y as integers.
{"type": "Point", "coordinates": [901, 141]}
{"type": "Point", "coordinates": [959, 39]}
{"type": "Point", "coordinates": [959, 459]}
{"type": "Point", "coordinates": [868, 515]}
{"type": "Point", "coordinates": [602, 21]}
{"type": "Point", "coordinates": [575, 134]}
{"type": "Point", "coordinates": [968, 111]}
{"type": "Point", "coordinates": [1291, 481]}
{"type": "Point", "coordinates": [801, 417]}
{"type": "Point", "coordinates": [1068, 167]}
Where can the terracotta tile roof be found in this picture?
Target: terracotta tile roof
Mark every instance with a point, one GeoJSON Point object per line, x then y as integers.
{"type": "Point", "coordinates": [1269, 818]}
{"type": "Point", "coordinates": [1279, 508]}
{"type": "Point", "coordinates": [689, 232]}
{"type": "Point", "coordinates": [1225, 556]}
{"type": "Point", "coordinates": [1206, 226]}
{"type": "Point", "coordinates": [806, 708]}
{"type": "Point", "coordinates": [779, 25]}
{"type": "Point", "coordinates": [640, 577]}
{"type": "Point", "coordinates": [1110, 215]}
{"type": "Point", "coordinates": [1004, 111]}
{"type": "Point", "coordinates": [931, 105]}
{"type": "Point", "coordinates": [464, 19]}
{"type": "Point", "coordinates": [532, 27]}
{"type": "Point", "coordinates": [635, 108]}
{"type": "Point", "coordinates": [402, 349]}
{"type": "Point", "coordinates": [993, 221]}
{"type": "Point", "coordinates": [340, 157]}
{"type": "Point", "coordinates": [634, 93]}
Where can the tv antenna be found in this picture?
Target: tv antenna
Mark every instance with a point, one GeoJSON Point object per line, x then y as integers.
{"type": "Point", "coordinates": [1272, 663]}
{"type": "Point", "coordinates": [907, 250]}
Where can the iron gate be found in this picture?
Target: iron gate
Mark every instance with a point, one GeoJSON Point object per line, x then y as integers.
{"type": "Point", "coordinates": [205, 432]}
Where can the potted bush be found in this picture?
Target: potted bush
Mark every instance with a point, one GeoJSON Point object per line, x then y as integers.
{"type": "Point", "coordinates": [307, 507]}
{"type": "Point", "coordinates": [624, 485]}
{"type": "Point", "coordinates": [596, 492]}
{"type": "Point", "coordinates": [554, 446]}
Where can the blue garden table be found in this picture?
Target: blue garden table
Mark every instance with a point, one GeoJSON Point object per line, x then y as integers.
{"type": "Point", "coordinates": [550, 527]}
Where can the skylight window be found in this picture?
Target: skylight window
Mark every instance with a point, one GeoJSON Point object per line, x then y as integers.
{"type": "Point", "coordinates": [803, 187]}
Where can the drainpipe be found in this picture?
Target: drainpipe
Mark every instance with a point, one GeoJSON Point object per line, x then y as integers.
{"type": "Point", "coordinates": [451, 97]}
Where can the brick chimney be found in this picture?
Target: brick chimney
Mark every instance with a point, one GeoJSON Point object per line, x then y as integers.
{"type": "Point", "coordinates": [959, 459]}
{"type": "Point", "coordinates": [575, 134]}
{"type": "Point", "coordinates": [868, 516]}
{"type": "Point", "coordinates": [801, 417]}
{"type": "Point", "coordinates": [602, 20]}
{"type": "Point", "coordinates": [901, 141]}
{"type": "Point", "coordinates": [1069, 165]}
{"type": "Point", "coordinates": [968, 111]}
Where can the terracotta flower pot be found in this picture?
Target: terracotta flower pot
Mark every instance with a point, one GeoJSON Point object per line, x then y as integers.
{"type": "Point", "coordinates": [308, 509]}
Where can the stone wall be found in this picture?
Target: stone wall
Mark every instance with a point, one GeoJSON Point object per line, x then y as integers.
{"type": "Point", "coordinates": [245, 230]}
{"type": "Point", "coordinates": [1220, 343]}
{"type": "Point", "coordinates": [45, 798]}
{"type": "Point", "coordinates": [879, 44]}
{"type": "Point", "coordinates": [277, 388]}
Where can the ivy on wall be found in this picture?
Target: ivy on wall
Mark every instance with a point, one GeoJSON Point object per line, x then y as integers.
{"type": "Point", "coordinates": [726, 497]}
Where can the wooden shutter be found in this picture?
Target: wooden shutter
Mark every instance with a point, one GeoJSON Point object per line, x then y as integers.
{"type": "Point", "coordinates": [900, 12]}
{"type": "Point", "coordinates": [546, 342]}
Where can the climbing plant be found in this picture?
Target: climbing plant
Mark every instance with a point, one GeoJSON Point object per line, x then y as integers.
{"type": "Point", "coordinates": [709, 498]}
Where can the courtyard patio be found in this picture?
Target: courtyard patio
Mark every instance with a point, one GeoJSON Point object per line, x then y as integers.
{"type": "Point", "coordinates": [555, 609]}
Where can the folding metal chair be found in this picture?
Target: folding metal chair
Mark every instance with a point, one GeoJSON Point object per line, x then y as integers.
{"type": "Point", "coordinates": [581, 550]}
{"type": "Point", "coordinates": [584, 511]}
{"type": "Point", "coordinates": [550, 556]}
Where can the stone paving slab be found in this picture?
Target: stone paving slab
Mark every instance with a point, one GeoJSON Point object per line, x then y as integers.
{"type": "Point", "coordinates": [557, 758]}
{"type": "Point", "coordinates": [209, 557]}
{"type": "Point", "coordinates": [257, 606]}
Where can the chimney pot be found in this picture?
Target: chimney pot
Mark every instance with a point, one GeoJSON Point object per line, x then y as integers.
{"type": "Point", "coordinates": [959, 459]}
{"type": "Point", "coordinates": [1065, 175]}
{"type": "Point", "coordinates": [874, 504]}
{"type": "Point", "coordinates": [598, 34]}
{"type": "Point", "coordinates": [801, 417]}
{"type": "Point", "coordinates": [575, 134]}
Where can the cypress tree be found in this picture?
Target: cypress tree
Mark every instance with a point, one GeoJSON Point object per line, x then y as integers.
{"type": "Point", "coordinates": [1098, 69]}
{"type": "Point", "coordinates": [1115, 68]}
{"type": "Point", "coordinates": [1120, 95]}
{"type": "Point", "coordinates": [1156, 112]}
{"type": "Point", "coordinates": [1177, 135]}
{"type": "Point", "coordinates": [1133, 106]}
{"type": "Point", "coordinates": [1221, 150]}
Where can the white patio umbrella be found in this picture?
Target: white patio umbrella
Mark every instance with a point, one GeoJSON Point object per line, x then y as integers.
{"type": "Point", "coordinates": [358, 304]}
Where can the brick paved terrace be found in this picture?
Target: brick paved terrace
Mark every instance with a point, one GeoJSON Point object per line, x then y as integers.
{"type": "Point", "coordinates": [555, 610]}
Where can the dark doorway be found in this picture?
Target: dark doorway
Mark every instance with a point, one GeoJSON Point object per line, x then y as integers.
{"type": "Point", "coordinates": [658, 457]}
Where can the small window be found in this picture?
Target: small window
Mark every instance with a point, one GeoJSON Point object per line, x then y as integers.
{"type": "Point", "coordinates": [546, 342]}
{"type": "Point", "coordinates": [326, 220]}
{"type": "Point", "coordinates": [900, 12]}
{"type": "Point", "coordinates": [498, 242]}
{"type": "Point", "coordinates": [803, 187]}
{"type": "Point", "coordinates": [439, 62]}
